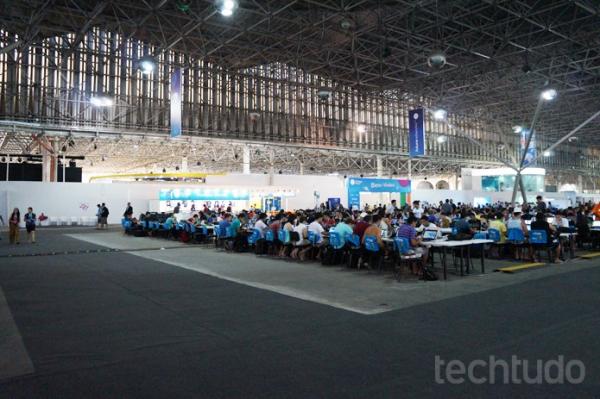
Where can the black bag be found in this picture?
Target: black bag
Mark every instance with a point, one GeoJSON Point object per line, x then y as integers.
{"type": "Point", "coordinates": [429, 275]}
{"type": "Point", "coordinates": [260, 248]}
{"type": "Point", "coordinates": [330, 256]}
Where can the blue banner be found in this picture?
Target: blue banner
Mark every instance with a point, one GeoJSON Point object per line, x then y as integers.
{"type": "Point", "coordinates": [176, 103]}
{"type": "Point", "coordinates": [357, 185]}
{"type": "Point", "coordinates": [416, 132]}
{"type": "Point", "coordinates": [188, 194]}
{"type": "Point", "coordinates": [531, 152]}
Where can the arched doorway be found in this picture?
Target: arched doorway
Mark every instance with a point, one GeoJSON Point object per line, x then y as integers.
{"type": "Point", "coordinates": [424, 185]}
{"type": "Point", "coordinates": [442, 185]}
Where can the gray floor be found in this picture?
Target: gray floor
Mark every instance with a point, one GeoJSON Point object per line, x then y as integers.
{"type": "Point", "coordinates": [112, 324]}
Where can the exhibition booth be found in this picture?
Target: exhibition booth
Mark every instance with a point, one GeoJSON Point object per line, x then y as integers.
{"type": "Point", "coordinates": [75, 202]}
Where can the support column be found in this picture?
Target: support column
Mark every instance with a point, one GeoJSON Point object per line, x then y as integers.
{"type": "Point", "coordinates": [516, 188]}
{"type": "Point", "coordinates": [410, 169]}
{"type": "Point", "coordinates": [7, 167]}
{"type": "Point", "coordinates": [184, 164]}
{"type": "Point", "coordinates": [64, 163]}
{"type": "Point", "coordinates": [301, 168]}
{"type": "Point", "coordinates": [379, 166]}
{"type": "Point", "coordinates": [579, 183]}
{"type": "Point", "coordinates": [246, 160]}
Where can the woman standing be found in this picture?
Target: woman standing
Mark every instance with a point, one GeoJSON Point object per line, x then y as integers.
{"type": "Point", "coordinates": [30, 220]}
{"type": "Point", "coordinates": [13, 222]}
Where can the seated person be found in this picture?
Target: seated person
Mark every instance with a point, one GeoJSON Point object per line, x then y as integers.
{"type": "Point", "coordinates": [224, 225]}
{"type": "Point", "coordinates": [426, 224]}
{"type": "Point", "coordinates": [261, 225]}
{"type": "Point", "coordinates": [361, 225]}
{"type": "Point", "coordinates": [344, 228]}
{"type": "Point", "coordinates": [463, 226]}
{"type": "Point", "coordinates": [497, 224]}
{"type": "Point", "coordinates": [540, 223]}
{"type": "Point", "coordinates": [316, 227]}
{"type": "Point", "coordinates": [374, 230]}
{"type": "Point", "coordinates": [408, 231]}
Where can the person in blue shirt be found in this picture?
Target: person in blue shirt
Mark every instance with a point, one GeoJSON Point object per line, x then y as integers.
{"type": "Point", "coordinates": [224, 225]}
{"type": "Point", "coordinates": [344, 229]}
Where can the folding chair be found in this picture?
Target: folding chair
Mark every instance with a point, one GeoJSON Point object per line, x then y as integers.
{"type": "Point", "coordinates": [374, 252]}
{"type": "Point", "coordinates": [403, 255]}
{"type": "Point", "coordinates": [539, 242]}
{"type": "Point", "coordinates": [354, 251]}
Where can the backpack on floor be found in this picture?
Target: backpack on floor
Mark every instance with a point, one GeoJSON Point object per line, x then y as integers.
{"type": "Point", "coordinates": [429, 275]}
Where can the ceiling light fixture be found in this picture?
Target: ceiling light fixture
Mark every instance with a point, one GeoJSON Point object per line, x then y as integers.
{"type": "Point", "coordinates": [101, 101]}
{"type": "Point", "coordinates": [227, 7]}
{"type": "Point", "coordinates": [442, 139]}
{"type": "Point", "coordinates": [549, 94]}
{"type": "Point", "coordinates": [440, 114]}
{"type": "Point", "coordinates": [147, 65]}
{"type": "Point", "coordinates": [517, 129]}
{"type": "Point", "coordinates": [361, 129]}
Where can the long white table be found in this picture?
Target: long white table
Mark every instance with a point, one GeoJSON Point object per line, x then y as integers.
{"type": "Point", "coordinates": [462, 244]}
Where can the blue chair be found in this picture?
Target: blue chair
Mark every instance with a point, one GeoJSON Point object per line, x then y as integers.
{"type": "Point", "coordinates": [270, 236]}
{"type": "Point", "coordinates": [454, 231]}
{"type": "Point", "coordinates": [254, 237]}
{"type": "Point", "coordinates": [354, 251]}
{"type": "Point", "coordinates": [374, 251]}
{"type": "Point", "coordinates": [495, 235]}
{"type": "Point", "coordinates": [515, 236]}
{"type": "Point", "coordinates": [480, 235]}
{"type": "Point", "coordinates": [313, 238]}
{"type": "Point", "coordinates": [335, 240]}
{"type": "Point", "coordinates": [539, 242]}
{"type": "Point", "coordinates": [283, 236]}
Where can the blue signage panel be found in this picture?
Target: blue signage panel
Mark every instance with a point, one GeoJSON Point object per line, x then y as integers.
{"type": "Point", "coordinates": [176, 103]}
{"type": "Point", "coordinates": [531, 152]}
{"type": "Point", "coordinates": [416, 132]}
{"type": "Point", "coordinates": [188, 194]}
{"type": "Point", "coordinates": [357, 185]}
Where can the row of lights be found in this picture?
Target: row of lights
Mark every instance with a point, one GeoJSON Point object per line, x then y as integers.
{"type": "Point", "coordinates": [147, 64]}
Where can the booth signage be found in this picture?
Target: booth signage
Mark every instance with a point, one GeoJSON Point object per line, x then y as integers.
{"type": "Point", "coordinates": [176, 103]}
{"type": "Point", "coordinates": [203, 194]}
{"type": "Point", "coordinates": [357, 185]}
{"type": "Point", "coordinates": [531, 152]}
{"type": "Point", "coordinates": [416, 132]}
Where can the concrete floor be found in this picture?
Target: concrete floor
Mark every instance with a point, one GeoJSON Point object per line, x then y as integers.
{"type": "Point", "coordinates": [357, 291]}
{"type": "Point", "coordinates": [97, 324]}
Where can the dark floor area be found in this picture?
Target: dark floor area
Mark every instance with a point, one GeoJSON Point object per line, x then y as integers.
{"type": "Point", "coordinates": [113, 325]}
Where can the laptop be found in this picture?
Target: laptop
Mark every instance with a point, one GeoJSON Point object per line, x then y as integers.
{"type": "Point", "coordinates": [429, 235]}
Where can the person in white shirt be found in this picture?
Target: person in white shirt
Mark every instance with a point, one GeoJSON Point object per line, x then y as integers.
{"type": "Point", "coordinates": [316, 227]}
{"type": "Point", "coordinates": [391, 208]}
{"type": "Point", "coordinates": [261, 225]}
{"type": "Point", "coordinates": [417, 210]}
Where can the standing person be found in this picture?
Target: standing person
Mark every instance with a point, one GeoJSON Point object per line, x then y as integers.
{"type": "Point", "coordinates": [104, 217]}
{"type": "Point", "coordinates": [30, 220]}
{"type": "Point", "coordinates": [176, 209]}
{"type": "Point", "coordinates": [98, 216]}
{"type": "Point", "coordinates": [540, 204]}
{"type": "Point", "coordinates": [128, 211]}
{"type": "Point", "coordinates": [13, 223]}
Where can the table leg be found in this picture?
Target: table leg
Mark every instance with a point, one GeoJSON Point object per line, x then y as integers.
{"type": "Point", "coordinates": [462, 255]}
{"type": "Point", "coordinates": [444, 262]}
{"type": "Point", "coordinates": [572, 245]}
{"type": "Point", "coordinates": [482, 258]}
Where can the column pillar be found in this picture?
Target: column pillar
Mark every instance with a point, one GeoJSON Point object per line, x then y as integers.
{"type": "Point", "coordinates": [301, 168]}
{"type": "Point", "coordinates": [184, 164]}
{"type": "Point", "coordinates": [379, 166]}
{"type": "Point", "coordinates": [246, 160]}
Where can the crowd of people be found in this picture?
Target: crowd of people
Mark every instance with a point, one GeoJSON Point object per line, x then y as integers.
{"type": "Point", "coordinates": [389, 221]}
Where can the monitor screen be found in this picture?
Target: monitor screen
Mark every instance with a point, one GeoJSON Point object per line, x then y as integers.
{"type": "Point", "coordinates": [430, 234]}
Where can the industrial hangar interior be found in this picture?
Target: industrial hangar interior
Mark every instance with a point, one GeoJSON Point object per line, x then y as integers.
{"type": "Point", "coordinates": [300, 198]}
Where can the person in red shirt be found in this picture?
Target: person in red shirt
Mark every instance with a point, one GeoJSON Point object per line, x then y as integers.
{"type": "Point", "coordinates": [361, 226]}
